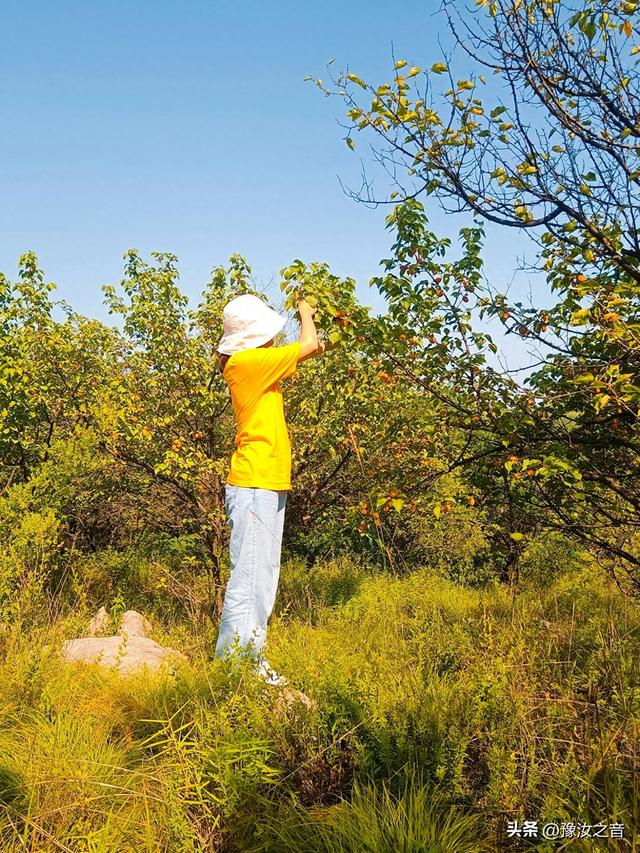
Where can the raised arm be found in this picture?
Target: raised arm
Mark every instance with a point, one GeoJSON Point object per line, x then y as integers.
{"type": "Point", "coordinates": [308, 331]}
{"type": "Point", "coordinates": [309, 343]}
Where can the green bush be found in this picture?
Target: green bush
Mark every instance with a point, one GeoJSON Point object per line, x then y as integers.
{"type": "Point", "coordinates": [30, 566]}
{"type": "Point", "coordinates": [305, 591]}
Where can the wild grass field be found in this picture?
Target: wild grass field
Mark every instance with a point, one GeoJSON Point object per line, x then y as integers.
{"type": "Point", "coordinates": [441, 712]}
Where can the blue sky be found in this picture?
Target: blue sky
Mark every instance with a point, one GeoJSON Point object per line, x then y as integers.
{"type": "Point", "coordinates": [188, 127]}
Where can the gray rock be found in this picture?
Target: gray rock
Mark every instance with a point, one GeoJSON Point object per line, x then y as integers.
{"type": "Point", "coordinates": [135, 624]}
{"type": "Point", "coordinates": [288, 697]}
{"type": "Point", "coordinates": [122, 652]}
{"type": "Point", "coordinates": [100, 624]}
{"type": "Point", "coordinates": [128, 651]}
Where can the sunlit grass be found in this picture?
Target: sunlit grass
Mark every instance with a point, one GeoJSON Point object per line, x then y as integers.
{"type": "Point", "coordinates": [447, 708]}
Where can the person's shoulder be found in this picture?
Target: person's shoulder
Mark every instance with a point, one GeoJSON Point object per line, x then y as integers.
{"type": "Point", "coordinates": [240, 357]}
{"type": "Point", "coordinates": [286, 349]}
{"type": "Point", "coordinates": [244, 358]}
{"type": "Point", "coordinates": [272, 352]}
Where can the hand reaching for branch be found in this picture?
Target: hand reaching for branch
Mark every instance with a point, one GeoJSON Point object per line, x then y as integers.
{"type": "Point", "coordinates": [304, 309]}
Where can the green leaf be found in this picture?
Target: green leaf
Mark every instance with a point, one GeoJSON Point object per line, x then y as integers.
{"type": "Point", "coordinates": [439, 68]}
{"type": "Point", "coordinates": [355, 79]}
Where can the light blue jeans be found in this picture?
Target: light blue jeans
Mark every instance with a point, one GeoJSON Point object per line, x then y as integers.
{"type": "Point", "coordinates": [256, 519]}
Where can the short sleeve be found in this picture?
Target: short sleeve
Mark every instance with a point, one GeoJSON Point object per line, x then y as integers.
{"type": "Point", "coordinates": [271, 364]}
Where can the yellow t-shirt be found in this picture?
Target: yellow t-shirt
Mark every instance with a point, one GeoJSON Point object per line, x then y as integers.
{"type": "Point", "coordinates": [262, 458]}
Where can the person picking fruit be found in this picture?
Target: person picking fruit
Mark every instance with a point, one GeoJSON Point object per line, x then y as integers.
{"type": "Point", "coordinates": [260, 472]}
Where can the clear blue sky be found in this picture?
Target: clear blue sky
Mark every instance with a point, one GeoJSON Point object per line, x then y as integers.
{"type": "Point", "coordinates": [188, 127]}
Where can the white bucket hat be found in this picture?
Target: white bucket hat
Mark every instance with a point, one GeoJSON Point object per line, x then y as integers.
{"type": "Point", "coordinates": [248, 323]}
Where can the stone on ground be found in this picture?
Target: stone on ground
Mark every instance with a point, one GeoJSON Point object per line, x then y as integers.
{"type": "Point", "coordinates": [135, 624]}
{"type": "Point", "coordinates": [100, 624]}
{"type": "Point", "coordinates": [289, 697]}
{"type": "Point", "coordinates": [128, 651]}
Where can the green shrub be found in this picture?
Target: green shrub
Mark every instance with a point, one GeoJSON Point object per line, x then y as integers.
{"type": "Point", "coordinates": [29, 567]}
{"type": "Point", "coordinates": [304, 592]}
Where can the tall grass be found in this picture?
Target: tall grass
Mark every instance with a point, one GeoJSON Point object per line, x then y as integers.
{"type": "Point", "coordinates": [441, 712]}
{"type": "Point", "coordinates": [417, 819]}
